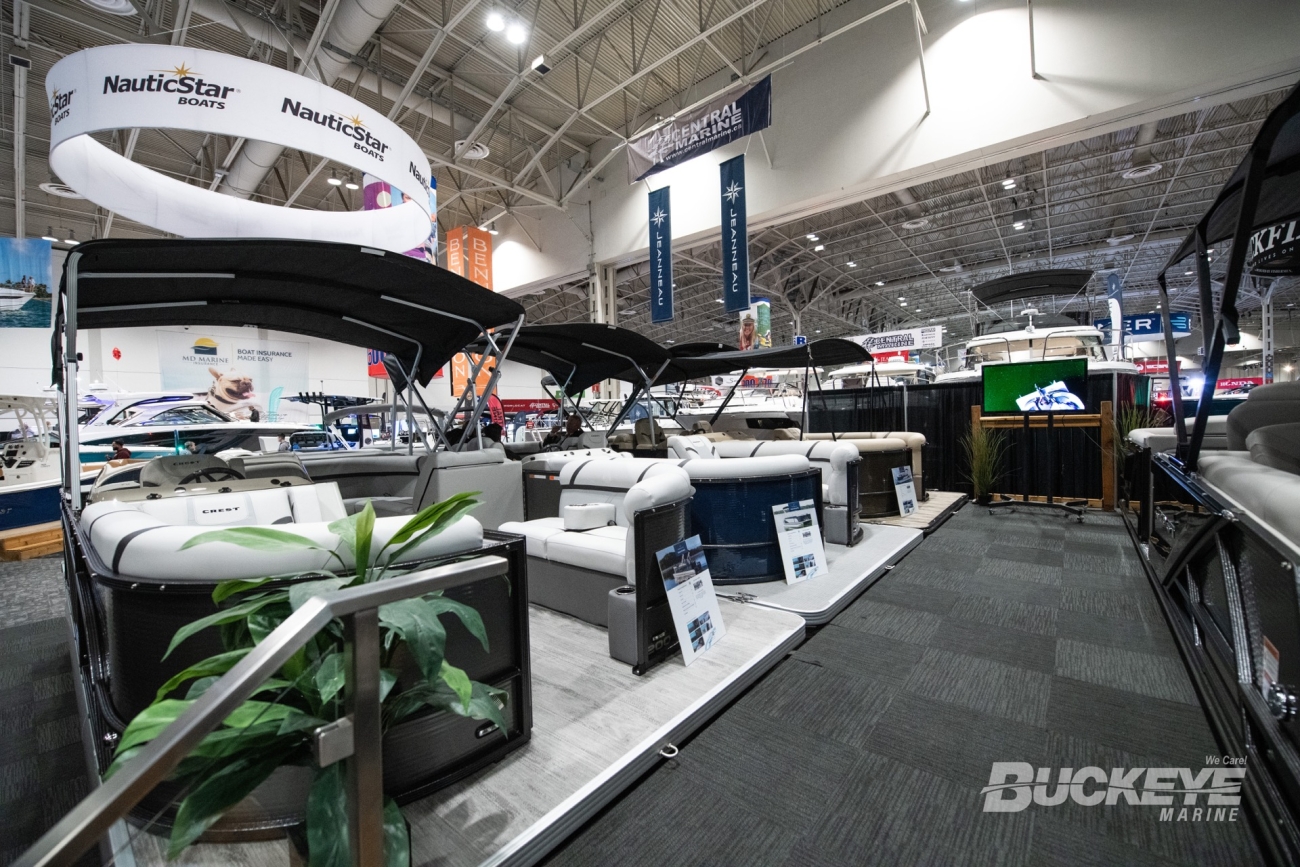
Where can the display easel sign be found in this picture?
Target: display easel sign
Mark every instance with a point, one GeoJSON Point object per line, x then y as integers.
{"type": "Point", "coordinates": [802, 553]}
{"type": "Point", "coordinates": [691, 599]}
{"type": "Point", "coordinates": [905, 488]}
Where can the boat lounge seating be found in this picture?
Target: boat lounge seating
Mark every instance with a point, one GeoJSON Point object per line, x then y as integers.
{"type": "Point", "coordinates": [542, 478]}
{"type": "Point", "coordinates": [574, 570]}
{"type": "Point", "coordinates": [1265, 480]}
{"type": "Point", "coordinates": [1278, 403]}
{"type": "Point", "coordinates": [915, 443]}
{"type": "Point", "coordinates": [1163, 439]}
{"type": "Point", "coordinates": [144, 538]}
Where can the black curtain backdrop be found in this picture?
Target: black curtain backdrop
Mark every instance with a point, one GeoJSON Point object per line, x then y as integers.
{"type": "Point", "coordinates": [942, 413]}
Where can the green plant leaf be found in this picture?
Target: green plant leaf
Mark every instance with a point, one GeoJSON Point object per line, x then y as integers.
{"type": "Point", "coordinates": [213, 665]}
{"type": "Point", "coordinates": [264, 622]}
{"type": "Point", "coordinates": [397, 842]}
{"type": "Point", "coordinates": [226, 589]}
{"type": "Point", "coordinates": [229, 784]}
{"type": "Point", "coordinates": [302, 591]}
{"type": "Point", "coordinates": [150, 722]}
{"type": "Point", "coordinates": [387, 680]}
{"type": "Point", "coordinates": [330, 676]}
{"type": "Point", "coordinates": [417, 623]}
{"type": "Point", "coordinates": [327, 820]}
{"type": "Point", "coordinates": [485, 702]}
{"type": "Point", "coordinates": [235, 613]}
{"type": "Point", "coordinates": [468, 616]}
{"type": "Point", "coordinates": [430, 521]}
{"type": "Point", "coordinates": [255, 538]}
{"type": "Point", "coordinates": [224, 743]}
{"type": "Point", "coordinates": [251, 712]}
{"type": "Point", "coordinates": [355, 532]}
{"type": "Point", "coordinates": [459, 681]}
{"type": "Point", "coordinates": [297, 721]}
{"type": "Point", "coordinates": [202, 685]}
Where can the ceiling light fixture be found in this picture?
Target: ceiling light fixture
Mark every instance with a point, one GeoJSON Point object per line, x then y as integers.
{"type": "Point", "coordinates": [1009, 183]}
{"type": "Point", "coordinates": [819, 248]}
{"type": "Point", "coordinates": [853, 264]}
{"type": "Point", "coordinates": [495, 22]}
{"type": "Point", "coordinates": [56, 187]}
{"type": "Point", "coordinates": [71, 239]}
{"type": "Point", "coordinates": [335, 180]}
{"type": "Point", "coordinates": [351, 184]}
{"type": "Point", "coordinates": [880, 282]}
{"type": "Point", "coordinates": [719, 300]}
{"type": "Point", "coordinates": [1019, 219]}
{"type": "Point", "coordinates": [539, 65]}
{"type": "Point", "coordinates": [49, 235]}
{"type": "Point", "coordinates": [516, 34]}
{"type": "Point", "coordinates": [812, 236]}
{"type": "Point", "coordinates": [918, 223]}
{"type": "Point", "coordinates": [1141, 171]}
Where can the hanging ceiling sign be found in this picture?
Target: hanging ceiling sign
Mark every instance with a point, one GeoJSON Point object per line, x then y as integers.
{"type": "Point", "coordinates": [166, 87]}
{"type": "Point", "coordinates": [929, 337]}
{"type": "Point", "coordinates": [661, 256]}
{"type": "Point", "coordinates": [697, 132]}
{"type": "Point", "coordinates": [735, 236]}
{"type": "Point", "coordinates": [1141, 327]}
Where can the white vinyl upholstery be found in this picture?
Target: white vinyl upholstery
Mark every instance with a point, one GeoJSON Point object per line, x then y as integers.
{"type": "Point", "coordinates": [1162, 439]}
{"type": "Point", "coordinates": [144, 538]}
{"type": "Point", "coordinates": [832, 458]}
{"type": "Point", "coordinates": [694, 446]}
{"type": "Point", "coordinates": [1272, 495]}
{"type": "Point", "coordinates": [746, 468]}
{"type": "Point", "coordinates": [588, 516]}
{"type": "Point", "coordinates": [1277, 403]}
{"type": "Point", "coordinates": [553, 462]}
{"type": "Point", "coordinates": [629, 485]}
{"type": "Point", "coordinates": [168, 470]}
{"type": "Point", "coordinates": [870, 441]}
{"type": "Point", "coordinates": [1276, 446]}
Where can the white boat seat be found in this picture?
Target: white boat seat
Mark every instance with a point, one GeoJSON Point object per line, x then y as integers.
{"type": "Point", "coordinates": [832, 458]}
{"type": "Point", "coordinates": [1163, 439]}
{"type": "Point", "coordinates": [1276, 446]}
{"type": "Point", "coordinates": [553, 462]}
{"type": "Point", "coordinates": [647, 434]}
{"type": "Point", "coordinates": [144, 538]}
{"type": "Point", "coordinates": [1272, 495]}
{"type": "Point", "coordinates": [168, 470]}
{"type": "Point", "coordinates": [693, 446]}
{"type": "Point", "coordinates": [630, 485]}
{"type": "Point", "coordinates": [1276, 403]}
{"type": "Point", "coordinates": [866, 440]}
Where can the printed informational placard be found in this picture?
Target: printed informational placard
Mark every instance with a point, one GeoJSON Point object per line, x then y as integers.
{"type": "Point", "coordinates": [803, 555]}
{"type": "Point", "coordinates": [691, 599]}
{"type": "Point", "coordinates": [926, 337]}
{"type": "Point", "coordinates": [905, 488]}
{"type": "Point", "coordinates": [243, 378]}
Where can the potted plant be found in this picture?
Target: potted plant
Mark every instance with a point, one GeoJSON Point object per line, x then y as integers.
{"type": "Point", "coordinates": [985, 451]}
{"type": "Point", "coordinates": [263, 735]}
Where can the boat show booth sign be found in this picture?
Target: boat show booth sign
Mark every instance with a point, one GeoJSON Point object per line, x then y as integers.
{"type": "Point", "coordinates": [167, 87]}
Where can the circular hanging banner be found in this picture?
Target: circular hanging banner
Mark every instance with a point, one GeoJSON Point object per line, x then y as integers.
{"type": "Point", "coordinates": [163, 87]}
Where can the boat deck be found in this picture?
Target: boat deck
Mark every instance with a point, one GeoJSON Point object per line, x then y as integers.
{"type": "Point", "coordinates": [1007, 637]}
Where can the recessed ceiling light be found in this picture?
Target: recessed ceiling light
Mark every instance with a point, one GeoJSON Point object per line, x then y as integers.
{"type": "Point", "coordinates": [1142, 171]}
{"type": "Point", "coordinates": [918, 223]}
{"type": "Point", "coordinates": [495, 22]}
{"type": "Point", "coordinates": [516, 34]}
{"type": "Point", "coordinates": [819, 248]}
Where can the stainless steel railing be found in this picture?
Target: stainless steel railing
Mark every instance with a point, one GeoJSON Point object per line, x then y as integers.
{"type": "Point", "coordinates": [358, 607]}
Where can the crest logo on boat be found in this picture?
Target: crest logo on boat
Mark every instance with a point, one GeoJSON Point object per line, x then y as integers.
{"type": "Point", "coordinates": [1208, 794]}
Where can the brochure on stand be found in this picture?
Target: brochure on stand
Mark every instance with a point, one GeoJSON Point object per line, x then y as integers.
{"type": "Point", "coordinates": [691, 599]}
{"type": "Point", "coordinates": [905, 488]}
{"type": "Point", "coordinates": [803, 555]}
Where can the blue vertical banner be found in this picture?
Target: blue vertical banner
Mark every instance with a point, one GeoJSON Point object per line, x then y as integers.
{"type": "Point", "coordinates": [735, 236]}
{"type": "Point", "coordinates": [661, 256]}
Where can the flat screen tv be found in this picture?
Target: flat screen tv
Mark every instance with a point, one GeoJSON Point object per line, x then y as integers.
{"type": "Point", "coordinates": [1036, 386]}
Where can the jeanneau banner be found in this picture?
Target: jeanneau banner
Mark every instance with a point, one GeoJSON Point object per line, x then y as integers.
{"type": "Point", "coordinates": [735, 236]}
{"type": "Point", "coordinates": [707, 128]}
{"type": "Point", "coordinates": [661, 256]}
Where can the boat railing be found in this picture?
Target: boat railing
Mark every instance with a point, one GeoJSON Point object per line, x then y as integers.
{"type": "Point", "coordinates": [355, 738]}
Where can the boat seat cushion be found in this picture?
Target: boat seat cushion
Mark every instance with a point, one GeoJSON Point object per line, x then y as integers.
{"type": "Point", "coordinates": [553, 462]}
{"type": "Point", "coordinates": [270, 466]}
{"type": "Point", "coordinates": [603, 549]}
{"type": "Point", "coordinates": [168, 470]}
{"type": "Point", "coordinates": [499, 480]}
{"type": "Point", "coordinates": [833, 458]}
{"type": "Point", "coordinates": [1277, 403]}
{"type": "Point", "coordinates": [1163, 439]}
{"type": "Point", "coordinates": [134, 543]}
{"type": "Point", "coordinates": [695, 446]}
{"type": "Point", "coordinates": [745, 468]}
{"type": "Point", "coordinates": [1276, 446]}
{"type": "Point", "coordinates": [366, 473]}
{"type": "Point", "coordinates": [536, 533]}
{"type": "Point", "coordinates": [1272, 495]}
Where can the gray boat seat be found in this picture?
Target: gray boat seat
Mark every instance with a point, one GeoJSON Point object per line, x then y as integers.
{"type": "Point", "coordinates": [365, 473]}
{"type": "Point", "coordinates": [834, 459]}
{"type": "Point", "coordinates": [499, 481]}
{"type": "Point", "coordinates": [272, 465]}
{"type": "Point", "coordinates": [1276, 446]}
{"type": "Point", "coordinates": [1277, 403]}
{"type": "Point", "coordinates": [1163, 439]}
{"type": "Point", "coordinates": [1270, 494]}
{"type": "Point", "coordinates": [168, 470]}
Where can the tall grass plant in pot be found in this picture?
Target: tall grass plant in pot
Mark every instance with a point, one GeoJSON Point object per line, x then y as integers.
{"type": "Point", "coordinates": [985, 451]}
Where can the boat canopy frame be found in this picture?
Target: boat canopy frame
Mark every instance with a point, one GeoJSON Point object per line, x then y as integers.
{"type": "Point", "coordinates": [1264, 190]}
{"type": "Point", "coordinates": [418, 314]}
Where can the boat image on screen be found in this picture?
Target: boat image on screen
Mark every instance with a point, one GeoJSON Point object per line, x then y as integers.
{"type": "Point", "coordinates": [1036, 386]}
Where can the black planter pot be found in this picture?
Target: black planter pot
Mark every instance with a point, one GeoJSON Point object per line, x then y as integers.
{"type": "Point", "coordinates": [984, 499]}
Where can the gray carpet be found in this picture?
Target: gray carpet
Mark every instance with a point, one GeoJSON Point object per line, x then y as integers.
{"type": "Point", "coordinates": [42, 764]}
{"type": "Point", "coordinates": [1008, 637]}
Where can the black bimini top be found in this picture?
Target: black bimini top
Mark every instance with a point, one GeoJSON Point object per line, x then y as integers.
{"type": "Point", "coordinates": [580, 354]}
{"type": "Point", "coordinates": [830, 352]}
{"type": "Point", "coordinates": [355, 295]}
{"type": "Point", "coordinates": [1033, 284]}
{"type": "Point", "coordinates": [1279, 199]}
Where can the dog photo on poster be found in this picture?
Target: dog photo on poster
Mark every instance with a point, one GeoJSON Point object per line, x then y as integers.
{"type": "Point", "coordinates": [245, 379]}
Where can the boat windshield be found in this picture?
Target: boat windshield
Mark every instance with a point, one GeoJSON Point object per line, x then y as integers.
{"type": "Point", "coordinates": [1048, 346]}
{"type": "Point", "coordinates": [185, 415]}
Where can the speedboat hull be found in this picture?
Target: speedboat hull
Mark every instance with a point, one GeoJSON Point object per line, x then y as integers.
{"type": "Point", "coordinates": [29, 504]}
